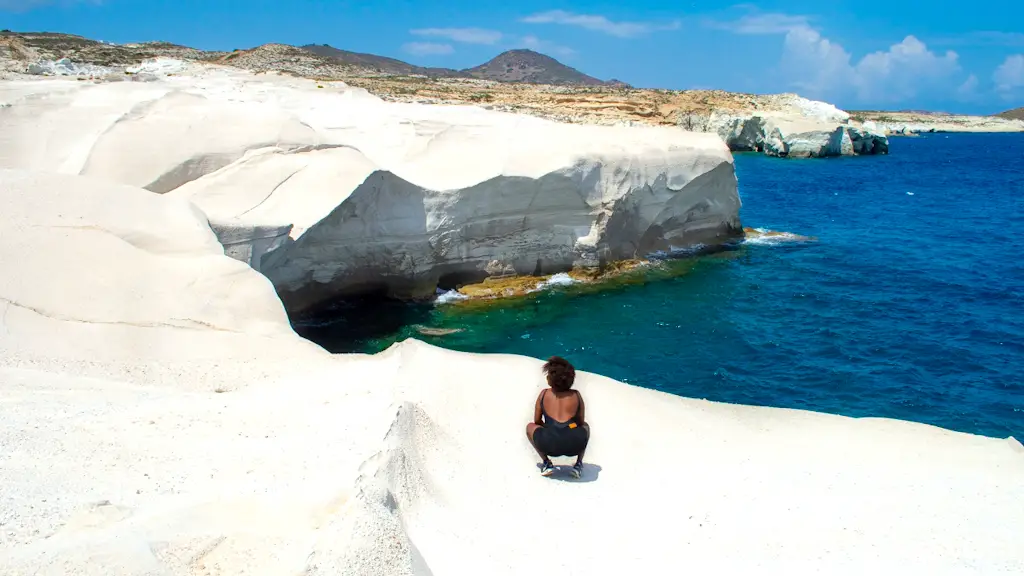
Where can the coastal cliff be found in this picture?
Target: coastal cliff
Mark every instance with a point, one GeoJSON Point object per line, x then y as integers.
{"type": "Point", "coordinates": [329, 190]}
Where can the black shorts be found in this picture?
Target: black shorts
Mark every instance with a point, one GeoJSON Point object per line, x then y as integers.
{"type": "Point", "coordinates": [555, 441]}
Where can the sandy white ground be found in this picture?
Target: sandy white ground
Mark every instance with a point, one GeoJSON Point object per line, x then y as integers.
{"type": "Point", "coordinates": [159, 417]}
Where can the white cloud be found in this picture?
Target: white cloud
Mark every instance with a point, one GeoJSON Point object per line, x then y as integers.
{"type": "Point", "coordinates": [905, 69]}
{"type": "Point", "coordinates": [819, 67]}
{"type": "Point", "coordinates": [598, 23]}
{"type": "Point", "coordinates": [969, 89]}
{"type": "Point", "coordinates": [814, 63]}
{"type": "Point", "coordinates": [466, 35]}
{"type": "Point", "coordinates": [768, 23]}
{"type": "Point", "coordinates": [428, 48]}
{"type": "Point", "coordinates": [1009, 76]}
{"type": "Point", "coordinates": [550, 48]}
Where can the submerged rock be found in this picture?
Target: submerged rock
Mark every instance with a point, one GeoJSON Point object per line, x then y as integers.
{"type": "Point", "coordinates": [763, 236]}
{"type": "Point", "coordinates": [494, 288]}
{"type": "Point", "coordinates": [433, 331]}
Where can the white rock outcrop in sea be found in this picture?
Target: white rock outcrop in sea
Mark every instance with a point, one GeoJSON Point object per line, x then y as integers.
{"type": "Point", "coordinates": [349, 193]}
{"type": "Point", "coordinates": [160, 417]}
{"type": "Point", "coordinates": [800, 128]}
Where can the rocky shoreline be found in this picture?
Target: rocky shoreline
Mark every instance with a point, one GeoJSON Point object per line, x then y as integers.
{"type": "Point", "coordinates": [912, 123]}
{"type": "Point", "coordinates": [497, 288]}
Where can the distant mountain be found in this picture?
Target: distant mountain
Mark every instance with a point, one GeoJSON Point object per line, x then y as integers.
{"type": "Point", "coordinates": [379, 63]}
{"type": "Point", "coordinates": [923, 112]}
{"type": "Point", "coordinates": [312, 60]}
{"type": "Point", "coordinates": [1015, 114]}
{"type": "Point", "coordinates": [524, 66]}
{"type": "Point", "coordinates": [530, 67]}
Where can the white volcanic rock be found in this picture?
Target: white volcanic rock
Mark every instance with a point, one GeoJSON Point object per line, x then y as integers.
{"type": "Point", "coordinates": [159, 417]}
{"type": "Point", "coordinates": [799, 138]}
{"type": "Point", "coordinates": [93, 268]}
{"type": "Point", "coordinates": [276, 186]}
{"type": "Point", "coordinates": [815, 109]}
{"type": "Point", "coordinates": [162, 144]}
{"type": "Point", "coordinates": [158, 411]}
{"type": "Point", "coordinates": [271, 196]}
{"type": "Point", "coordinates": [153, 135]}
{"type": "Point", "coordinates": [405, 195]}
{"type": "Point", "coordinates": [868, 139]}
{"type": "Point", "coordinates": [778, 135]}
{"type": "Point", "coordinates": [250, 242]}
{"type": "Point", "coordinates": [802, 139]}
{"type": "Point", "coordinates": [65, 67]}
{"type": "Point", "coordinates": [743, 134]}
{"type": "Point", "coordinates": [793, 127]}
{"type": "Point", "coordinates": [562, 196]}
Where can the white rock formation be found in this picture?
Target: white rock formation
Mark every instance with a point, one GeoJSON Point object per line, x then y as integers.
{"type": "Point", "coordinates": [65, 67]}
{"type": "Point", "coordinates": [151, 135]}
{"type": "Point", "coordinates": [114, 260]}
{"type": "Point", "coordinates": [272, 195]}
{"type": "Point", "coordinates": [868, 139]}
{"type": "Point", "coordinates": [797, 128]}
{"type": "Point", "coordinates": [350, 193]}
{"type": "Point", "coordinates": [159, 417]}
{"type": "Point", "coordinates": [560, 196]}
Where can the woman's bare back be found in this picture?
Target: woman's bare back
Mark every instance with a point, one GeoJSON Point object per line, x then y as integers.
{"type": "Point", "coordinates": [560, 405]}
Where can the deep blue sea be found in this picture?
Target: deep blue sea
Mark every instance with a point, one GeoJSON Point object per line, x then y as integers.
{"type": "Point", "coordinates": [910, 303]}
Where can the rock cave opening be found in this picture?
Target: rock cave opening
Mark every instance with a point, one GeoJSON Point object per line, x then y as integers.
{"type": "Point", "coordinates": [456, 280]}
{"type": "Point", "coordinates": [346, 324]}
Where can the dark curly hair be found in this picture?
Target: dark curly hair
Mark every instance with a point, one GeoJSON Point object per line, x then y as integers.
{"type": "Point", "coordinates": [560, 373]}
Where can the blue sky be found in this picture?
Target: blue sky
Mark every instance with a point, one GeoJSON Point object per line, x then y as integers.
{"type": "Point", "coordinates": [901, 54]}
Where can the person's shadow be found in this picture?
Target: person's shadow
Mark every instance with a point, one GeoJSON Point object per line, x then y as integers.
{"type": "Point", "coordinates": [563, 473]}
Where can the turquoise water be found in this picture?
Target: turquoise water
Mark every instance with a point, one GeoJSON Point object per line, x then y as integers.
{"type": "Point", "coordinates": [909, 305]}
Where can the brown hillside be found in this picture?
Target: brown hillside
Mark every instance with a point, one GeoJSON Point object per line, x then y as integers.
{"type": "Point", "coordinates": [1015, 114]}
